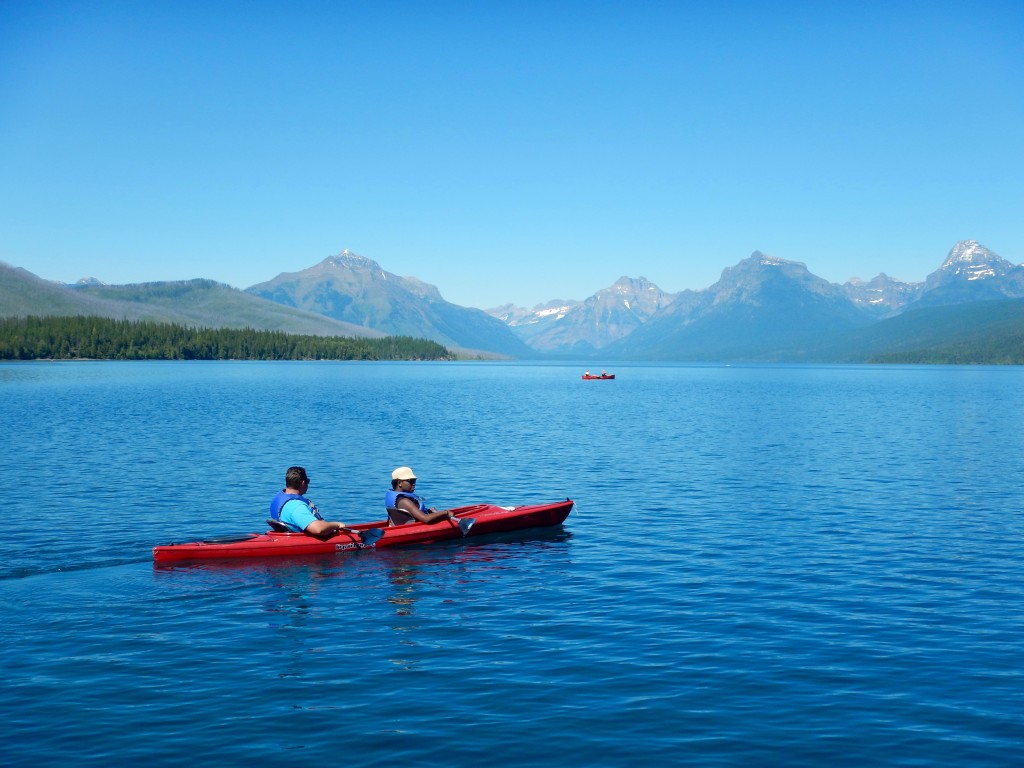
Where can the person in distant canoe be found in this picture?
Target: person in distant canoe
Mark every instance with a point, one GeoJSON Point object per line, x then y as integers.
{"type": "Point", "coordinates": [405, 506]}
{"type": "Point", "coordinates": [292, 508]}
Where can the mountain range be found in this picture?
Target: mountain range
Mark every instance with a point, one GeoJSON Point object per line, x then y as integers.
{"type": "Point", "coordinates": [770, 309]}
{"type": "Point", "coordinates": [762, 309]}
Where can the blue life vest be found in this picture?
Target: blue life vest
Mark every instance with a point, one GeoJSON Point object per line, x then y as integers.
{"type": "Point", "coordinates": [282, 498]}
{"type": "Point", "coordinates": [396, 515]}
{"type": "Point", "coordinates": [391, 499]}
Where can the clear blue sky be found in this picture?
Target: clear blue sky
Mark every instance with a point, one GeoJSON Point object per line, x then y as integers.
{"type": "Point", "coordinates": [507, 151]}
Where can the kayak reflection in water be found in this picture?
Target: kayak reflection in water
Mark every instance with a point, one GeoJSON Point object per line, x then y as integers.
{"type": "Point", "coordinates": [292, 508]}
{"type": "Point", "coordinates": [405, 506]}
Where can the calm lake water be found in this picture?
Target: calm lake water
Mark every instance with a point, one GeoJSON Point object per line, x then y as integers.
{"type": "Point", "coordinates": [789, 566]}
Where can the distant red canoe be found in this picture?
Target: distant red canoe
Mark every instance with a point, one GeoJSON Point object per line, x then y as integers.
{"type": "Point", "coordinates": [481, 519]}
{"type": "Point", "coordinates": [587, 376]}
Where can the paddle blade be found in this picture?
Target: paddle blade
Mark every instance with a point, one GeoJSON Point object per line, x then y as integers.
{"type": "Point", "coordinates": [371, 536]}
{"type": "Point", "coordinates": [465, 524]}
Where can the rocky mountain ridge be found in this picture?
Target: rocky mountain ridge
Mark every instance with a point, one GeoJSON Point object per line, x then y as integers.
{"type": "Point", "coordinates": [762, 308]}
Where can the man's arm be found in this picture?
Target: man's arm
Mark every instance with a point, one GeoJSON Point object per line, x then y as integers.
{"type": "Point", "coordinates": [429, 517]}
{"type": "Point", "coordinates": [324, 529]}
{"type": "Point", "coordinates": [298, 514]}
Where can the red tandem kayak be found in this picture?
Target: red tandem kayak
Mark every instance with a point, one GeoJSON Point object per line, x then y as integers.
{"type": "Point", "coordinates": [588, 376]}
{"type": "Point", "coordinates": [476, 520]}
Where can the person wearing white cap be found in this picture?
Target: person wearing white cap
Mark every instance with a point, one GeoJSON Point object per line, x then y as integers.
{"type": "Point", "coordinates": [405, 506]}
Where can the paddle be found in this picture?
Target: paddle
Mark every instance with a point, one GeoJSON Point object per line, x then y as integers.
{"type": "Point", "coordinates": [369, 537]}
{"type": "Point", "coordinates": [465, 523]}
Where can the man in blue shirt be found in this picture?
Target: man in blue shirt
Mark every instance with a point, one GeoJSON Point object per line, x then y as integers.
{"type": "Point", "coordinates": [292, 508]}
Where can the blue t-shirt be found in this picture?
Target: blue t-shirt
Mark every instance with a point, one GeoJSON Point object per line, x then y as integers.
{"type": "Point", "coordinates": [298, 515]}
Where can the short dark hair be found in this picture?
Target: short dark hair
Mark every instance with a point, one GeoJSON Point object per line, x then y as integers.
{"type": "Point", "coordinates": [294, 476]}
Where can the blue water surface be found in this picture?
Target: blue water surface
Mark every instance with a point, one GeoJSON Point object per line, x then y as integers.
{"type": "Point", "coordinates": [768, 565]}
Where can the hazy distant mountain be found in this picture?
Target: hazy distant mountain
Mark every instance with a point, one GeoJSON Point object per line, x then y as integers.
{"type": "Point", "coordinates": [581, 328]}
{"type": "Point", "coordinates": [530, 323]}
{"type": "Point", "coordinates": [882, 296]}
{"type": "Point", "coordinates": [763, 308]}
{"type": "Point", "coordinates": [192, 302]}
{"type": "Point", "coordinates": [357, 290]}
{"type": "Point", "coordinates": [23, 294]}
{"type": "Point", "coordinates": [514, 316]}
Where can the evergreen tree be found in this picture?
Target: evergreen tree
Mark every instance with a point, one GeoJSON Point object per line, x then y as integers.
{"type": "Point", "coordinates": [98, 338]}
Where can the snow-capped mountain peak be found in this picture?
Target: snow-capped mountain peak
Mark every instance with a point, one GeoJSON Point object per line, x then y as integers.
{"type": "Point", "coordinates": [351, 260]}
{"type": "Point", "coordinates": [970, 260]}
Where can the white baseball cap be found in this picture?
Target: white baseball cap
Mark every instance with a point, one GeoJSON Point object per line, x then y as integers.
{"type": "Point", "coordinates": [403, 473]}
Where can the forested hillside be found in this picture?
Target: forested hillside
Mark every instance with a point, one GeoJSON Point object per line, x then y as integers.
{"type": "Point", "coordinates": [101, 338]}
{"type": "Point", "coordinates": [194, 303]}
{"type": "Point", "coordinates": [981, 333]}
